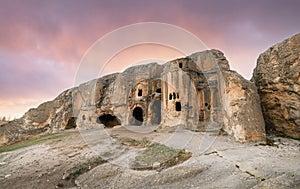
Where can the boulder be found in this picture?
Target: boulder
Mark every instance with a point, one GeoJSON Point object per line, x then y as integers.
{"type": "Point", "coordinates": [277, 77]}
{"type": "Point", "coordinates": [243, 117]}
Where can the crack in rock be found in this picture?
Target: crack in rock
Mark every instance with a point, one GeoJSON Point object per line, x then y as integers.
{"type": "Point", "coordinates": [215, 152]}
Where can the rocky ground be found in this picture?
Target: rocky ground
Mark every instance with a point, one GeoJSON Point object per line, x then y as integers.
{"type": "Point", "coordinates": [65, 160]}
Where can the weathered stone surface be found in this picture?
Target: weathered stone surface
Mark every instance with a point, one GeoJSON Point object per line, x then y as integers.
{"type": "Point", "coordinates": [194, 92]}
{"type": "Point", "coordinates": [277, 77]}
{"type": "Point", "coordinates": [224, 163]}
{"type": "Point", "coordinates": [47, 117]}
{"type": "Point", "coordinates": [243, 118]}
{"type": "Point", "coordinates": [284, 181]}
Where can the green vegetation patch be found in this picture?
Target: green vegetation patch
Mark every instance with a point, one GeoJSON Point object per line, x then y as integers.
{"type": "Point", "coordinates": [30, 142]}
{"type": "Point", "coordinates": [134, 143]}
{"type": "Point", "coordinates": [84, 167]}
{"type": "Point", "coordinates": [158, 156]}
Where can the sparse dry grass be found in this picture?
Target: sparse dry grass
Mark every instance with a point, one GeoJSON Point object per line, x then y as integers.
{"type": "Point", "coordinates": [134, 142]}
{"type": "Point", "coordinates": [30, 142]}
{"type": "Point", "coordinates": [158, 156]}
{"type": "Point", "coordinates": [84, 167]}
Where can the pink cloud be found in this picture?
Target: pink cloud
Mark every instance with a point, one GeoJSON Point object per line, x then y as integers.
{"type": "Point", "coordinates": [42, 42]}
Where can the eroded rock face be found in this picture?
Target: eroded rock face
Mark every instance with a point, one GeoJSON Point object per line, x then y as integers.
{"type": "Point", "coordinates": [277, 77]}
{"type": "Point", "coordinates": [47, 117]}
{"type": "Point", "coordinates": [194, 92]}
{"type": "Point", "coordinates": [58, 114]}
{"type": "Point", "coordinates": [243, 118]}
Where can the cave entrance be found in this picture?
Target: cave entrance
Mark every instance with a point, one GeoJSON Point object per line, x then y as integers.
{"type": "Point", "coordinates": [158, 90]}
{"type": "Point", "coordinates": [109, 120]}
{"type": "Point", "coordinates": [138, 116]}
{"type": "Point", "coordinates": [156, 112]}
{"type": "Point", "coordinates": [71, 123]}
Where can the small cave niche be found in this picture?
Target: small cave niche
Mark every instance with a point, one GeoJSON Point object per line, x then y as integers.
{"type": "Point", "coordinates": [207, 105]}
{"type": "Point", "coordinates": [174, 96]}
{"type": "Point", "coordinates": [138, 116]}
{"type": "Point", "coordinates": [158, 90]}
{"type": "Point", "coordinates": [71, 123]}
{"type": "Point", "coordinates": [170, 96]}
{"type": "Point", "coordinates": [180, 65]}
{"type": "Point", "coordinates": [83, 117]}
{"type": "Point", "coordinates": [140, 92]}
{"type": "Point", "coordinates": [178, 106]}
{"type": "Point", "coordinates": [108, 120]}
{"type": "Point", "coordinates": [177, 95]}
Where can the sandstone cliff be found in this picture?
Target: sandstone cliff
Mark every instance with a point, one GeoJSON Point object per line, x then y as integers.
{"type": "Point", "coordinates": [198, 92]}
{"type": "Point", "coordinates": [277, 77]}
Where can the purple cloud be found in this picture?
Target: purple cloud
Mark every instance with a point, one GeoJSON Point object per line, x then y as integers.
{"type": "Point", "coordinates": [42, 42]}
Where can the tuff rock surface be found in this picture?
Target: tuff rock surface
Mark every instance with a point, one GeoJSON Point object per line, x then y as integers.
{"type": "Point", "coordinates": [277, 77]}
{"type": "Point", "coordinates": [243, 118]}
{"type": "Point", "coordinates": [198, 92]}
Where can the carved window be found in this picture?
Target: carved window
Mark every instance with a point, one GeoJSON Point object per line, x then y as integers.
{"type": "Point", "coordinates": [178, 106]}
{"type": "Point", "coordinates": [170, 96]}
{"type": "Point", "coordinates": [180, 65]}
{"type": "Point", "coordinates": [140, 92]}
{"type": "Point", "coordinates": [174, 96]}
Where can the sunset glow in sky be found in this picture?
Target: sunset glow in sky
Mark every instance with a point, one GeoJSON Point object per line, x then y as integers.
{"type": "Point", "coordinates": [42, 41]}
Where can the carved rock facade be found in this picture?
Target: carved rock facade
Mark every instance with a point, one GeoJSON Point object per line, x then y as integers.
{"type": "Point", "coordinates": [198, 92]}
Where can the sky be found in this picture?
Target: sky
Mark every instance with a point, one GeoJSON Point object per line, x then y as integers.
{"type": "Point", "coordinates": [42, 42]}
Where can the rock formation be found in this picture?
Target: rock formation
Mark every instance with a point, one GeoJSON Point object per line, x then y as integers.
{"type": "Point", "coordinates": [198, 92]}
{"type": "Point", "coordinates": [277, 77]}
{"type": "Point", "coordinates": [243, 117]}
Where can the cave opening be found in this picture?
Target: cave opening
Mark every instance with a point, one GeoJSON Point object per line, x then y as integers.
{"type": "Point", "coordinates": [71, 123]}
{"type": "Point", "coordinates": [109, 120]}
{"type": "Point", "coordinates": [138, 116]}
{"type": "Point", "coordinates": [180, 65]}
{"type": "Point", "coordinates": [158, 90]}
